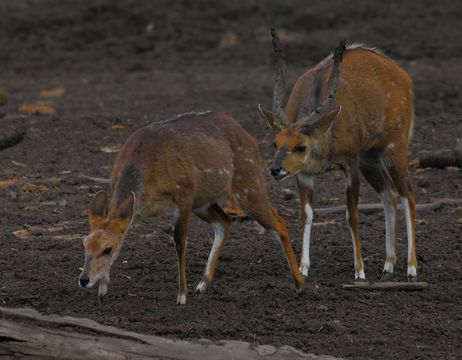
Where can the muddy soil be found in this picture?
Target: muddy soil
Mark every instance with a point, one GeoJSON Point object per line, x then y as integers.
{"type": "Point", "coordinates": [125, 64]}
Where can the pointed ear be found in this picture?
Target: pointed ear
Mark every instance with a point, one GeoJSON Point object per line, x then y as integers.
{"type": "Point", "coordinates": [268, 116]}
{"type": "Point", "coordinates": [324, 124]}
{"type": "Point", "coordinates": [98, 208]}
{"type": "Point", "coordinates": [125, 211]}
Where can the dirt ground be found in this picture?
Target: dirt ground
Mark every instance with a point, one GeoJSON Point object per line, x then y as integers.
{"type": "Point", "coordinates": [125, 64]}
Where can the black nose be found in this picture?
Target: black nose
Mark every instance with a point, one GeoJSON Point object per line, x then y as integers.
{"type": "Point", "coordinates": [84, 280]}
{"type": "Point", "coordinates": [275, 171]}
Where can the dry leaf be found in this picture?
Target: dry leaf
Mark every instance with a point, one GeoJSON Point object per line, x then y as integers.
{"type": "Point", "coordinates": [452, 168]}
{"type": "Point", "coordinates": [37, 109]}
{"type": "Point", "coordinates": [324, 223]}
{"type": "Point", "coordinates": [228, 39]}
{"type": "Point", "coordinates": [118, 127]}
{"type": "Point", "coordinates": [8, 182]}
{"type": "Point", "coordinates": [32, 208]}
{"type": "Point", "coordinates": [423, 170]}
{"type": "Point", "coordinates": [22, 234]}
{"type": "Point", "coordinates": [33, 188]}
{"type": "Point", "coordinates": [151, 27]}
{"type": "Point", "coordinates": [52, 92]}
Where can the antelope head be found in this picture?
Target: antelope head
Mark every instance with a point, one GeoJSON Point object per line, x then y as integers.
{"type": "Point", "coordinates": [102, 245]}
{"type": "Point", "coordinates": [301, 146]}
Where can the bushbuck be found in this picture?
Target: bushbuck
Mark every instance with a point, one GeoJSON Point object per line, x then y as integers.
{"type": "Point", "coordinates": [187, 163]}
{"type": "Point", "coordinates": [354, 111]}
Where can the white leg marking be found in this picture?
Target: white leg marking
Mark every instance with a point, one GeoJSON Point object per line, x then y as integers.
{"type": "Point", "coordinates": [217, 241]}
{"type": "Point", "coordinates": [308, 182]}
{"type": "Point", "coordinates": [411, 270]}
{"type": "Point", "coordinates": [358, 274]}
{"type": "Point", "coordinates": [390, 226]}
{"type": "Point", "coordinates": [201, 287]}
{"type": "Point", "coordinates": [305, 261]}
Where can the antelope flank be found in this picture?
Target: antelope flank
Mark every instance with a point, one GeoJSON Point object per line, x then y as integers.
{"type": "Point", "coordinates": [188, 163]}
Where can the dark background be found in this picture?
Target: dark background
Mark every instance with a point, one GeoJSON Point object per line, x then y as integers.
{"type": "Point", "coordinates": [124, 64]}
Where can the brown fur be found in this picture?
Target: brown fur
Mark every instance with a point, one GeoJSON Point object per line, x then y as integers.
{"type": "Point", "coordinates": [188, 163]}
{"type": "Point", "coordinates": [368, 131]}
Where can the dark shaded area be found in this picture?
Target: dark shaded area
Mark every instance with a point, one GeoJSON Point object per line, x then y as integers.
{"type": "Point", "coordinates": [125, 64]}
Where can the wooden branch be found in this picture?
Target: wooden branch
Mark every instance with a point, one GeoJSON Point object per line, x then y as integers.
{"type": "Point", "coordinates": [12, 139]}
{"type": "Point", "coordinates": [441, 158]}
{"type": "Point", "coordinates": [376, 207]}
{"type": "Point", "coordinates": [25, 333]}
{"type": "Point", "coordinates": [95, 179]}
{"type": "Point", "coordinates": [387, 285]}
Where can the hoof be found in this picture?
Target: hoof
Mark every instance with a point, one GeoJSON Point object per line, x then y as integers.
{"type": "Point", "coordinates": [200, 289]}
{"type": "Point", "coordinates": [181, 299]}
{"type": "Point", "coordinates": [359, 276]}
{"type": "Point", "coordinates": [304, 268]}
{"type": "Point", "coordinates": [412, 278]}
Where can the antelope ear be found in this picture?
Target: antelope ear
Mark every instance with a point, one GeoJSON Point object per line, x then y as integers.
{"type": "Point", "coordinates": [268, 116]}
{"type": "Point", "coordinates": [126, 211]}
{"type": "Point", "coordinates": [323, 124]}
{"type": "Point", "coordinates": [98, 208]}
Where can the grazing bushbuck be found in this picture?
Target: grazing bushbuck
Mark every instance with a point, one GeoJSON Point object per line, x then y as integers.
{"type": "Point", "coordinates": [353, 110]}
{"type": "Point", "coordinates": [187, 163]}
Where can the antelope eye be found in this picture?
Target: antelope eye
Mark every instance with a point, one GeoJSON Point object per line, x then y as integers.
{"type": "Point", "coordinates": [300, 149]}
{"type": "Point", "coordinates": [107, 251]}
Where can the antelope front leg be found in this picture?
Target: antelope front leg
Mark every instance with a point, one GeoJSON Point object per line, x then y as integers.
{"type": "Point", "coordinates": [181, 238]}
{"type": "Point", "coordinates": [352, 215]}
{"type": "Point", "coordinates": [102, 290]}
{"type": "Point", "coordinates": [305, 185]}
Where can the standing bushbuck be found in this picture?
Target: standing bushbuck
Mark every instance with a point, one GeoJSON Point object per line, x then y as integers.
{"type": "Point", "coordinates": [187, 163]}
{"type": "Point", "coordinates": [353, 110]}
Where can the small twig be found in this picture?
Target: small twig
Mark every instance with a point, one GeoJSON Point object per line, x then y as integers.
{"type": "Point", "coordinates": [95, 179]}
{"type": "Point", "coordinates": [371, 208]}
{"type": "Point", "coordinates": [387, 285]}
{"type": "Point", "coordinates": [12, 140]}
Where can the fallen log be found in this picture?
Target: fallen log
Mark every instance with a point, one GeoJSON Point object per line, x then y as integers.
{"type": "Point", "coordinates": [387, 285]}
{"type": "Point", "coordinates": [25, 333]}
{"type": "Point", "coordinates": [10, 140]}
{"type": "Point", "coordinates": [441, 158]}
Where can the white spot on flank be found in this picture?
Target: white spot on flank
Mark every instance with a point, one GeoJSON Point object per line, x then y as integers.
{"type": "Point", "coordinates": [391, 146]}
{"type": "Point", "coordinates": [208, 171]}
{"type": "Point", "coordinates": [178, 186]}
{"type": "Point", "coordinates": [250, 160]}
